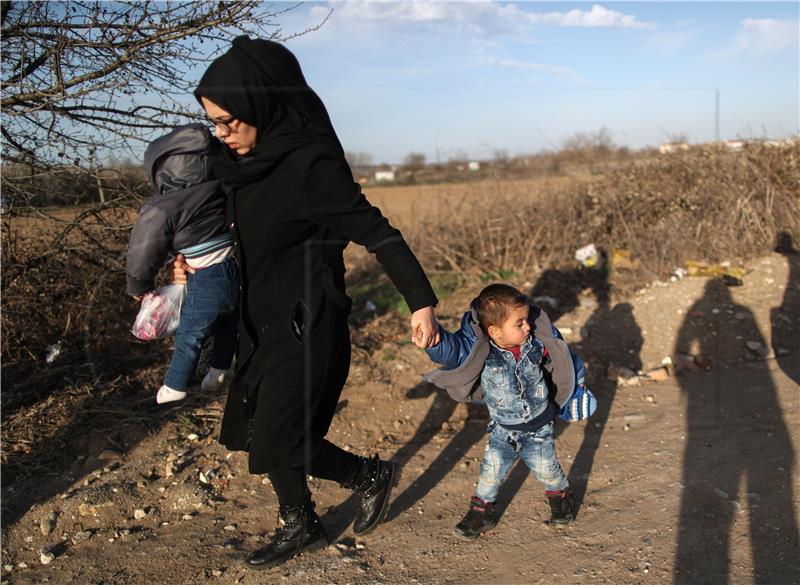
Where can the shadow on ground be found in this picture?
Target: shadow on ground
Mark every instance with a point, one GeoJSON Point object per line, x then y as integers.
{"type": "Point", "coordinates": [738, 458]}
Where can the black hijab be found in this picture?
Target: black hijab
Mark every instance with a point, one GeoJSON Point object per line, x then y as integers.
{"type": "Point", "coordinates": [260, 83]}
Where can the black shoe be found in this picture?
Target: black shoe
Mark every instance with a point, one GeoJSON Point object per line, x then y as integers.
{"type": "Point", "coordinates": [301, 532]}
{"type": "Point", "coordinates": [562, 507]}
{"type": "Point", "coordinates": [481, 517]}
{"type": "Point", "coordinates": [373, 486]}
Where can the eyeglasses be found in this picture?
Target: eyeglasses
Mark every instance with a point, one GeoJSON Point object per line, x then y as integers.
{"type": "Point", "coordinates": [224, 126]}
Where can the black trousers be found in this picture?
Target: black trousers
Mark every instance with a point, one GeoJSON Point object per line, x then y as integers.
{"type": "Point", "coordinates": [331, 462]}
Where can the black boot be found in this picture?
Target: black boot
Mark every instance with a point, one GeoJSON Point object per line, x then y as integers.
{"type": "Point", "coordinates": [373, 485]}
{"type": "Point", "coordinates": [480, 517]}
{"type": "Point", "coordinates": [562, 507]}
{"type": "Point", "coordinates": [301, 532]}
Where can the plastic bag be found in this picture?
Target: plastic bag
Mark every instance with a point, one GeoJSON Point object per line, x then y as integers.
{"type": "Point", "coordinates": [588, 256]}
{"type": "Point", "coordinates": [160, 312]}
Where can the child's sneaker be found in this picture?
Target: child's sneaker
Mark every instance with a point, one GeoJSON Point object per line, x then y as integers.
{"type": "Point", "coordinates": [561, 507]}
{"type": "Point", "coordinates": [213, 380]}
{"type": "Point", "coordinates": [480, 518]}
{"type": "Point", "coordinates": [167, 394]}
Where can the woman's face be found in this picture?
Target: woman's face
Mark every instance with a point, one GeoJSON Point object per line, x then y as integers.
{"type": "Point", "coordinates": [239, 136]}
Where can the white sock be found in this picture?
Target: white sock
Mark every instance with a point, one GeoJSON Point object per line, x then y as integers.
{"type": "Point", "coordinates": [167, 394]}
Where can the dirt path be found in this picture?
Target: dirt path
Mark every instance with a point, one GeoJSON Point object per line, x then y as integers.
{"type": "Point", "coordinates": [691, 480]}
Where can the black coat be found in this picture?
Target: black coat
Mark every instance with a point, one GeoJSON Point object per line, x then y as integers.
{"type": "Point", "coordinates": [290, 229]}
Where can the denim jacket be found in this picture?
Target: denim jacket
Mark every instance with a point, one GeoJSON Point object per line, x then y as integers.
{"type": "Point", "coordinates": [547, 368]}
{"type": "Point", "coordinates": [515, 392]}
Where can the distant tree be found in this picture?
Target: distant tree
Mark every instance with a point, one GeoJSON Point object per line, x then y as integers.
{"type": "Point", "coordinates": [677, 137]}
{"type": "Point", "coordinates": [414, 161]}
{"type": "Point", "coordinates": [500, 156]}
{"type": "Point", "coordinates": [358, 159]}
{"type": "Point", "coordinates": [82, 74]}
{"type": "Point", "coordinates": [588, 141]}
{"type": "Point", "coordinates": [459, 156]}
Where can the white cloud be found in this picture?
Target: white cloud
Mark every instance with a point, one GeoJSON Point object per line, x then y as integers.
{"type": "Point", "coordinates": [598, 16]}
{"type": "Point", "coordinates": [766, 35]}
{"type": "Point", "coordinates": [482, 18]}
{"type": "Point", "coordinates": [760, 37]}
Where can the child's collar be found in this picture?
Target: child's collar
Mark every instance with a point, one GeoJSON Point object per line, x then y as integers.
{"type": "Point", "coordinates": [523, 349]}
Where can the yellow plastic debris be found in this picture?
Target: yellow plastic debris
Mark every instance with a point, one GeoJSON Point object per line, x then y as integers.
{"type": "Point", "coordinates": [694, 268]}
{"type": "Point", "coordinates": [623, 259]}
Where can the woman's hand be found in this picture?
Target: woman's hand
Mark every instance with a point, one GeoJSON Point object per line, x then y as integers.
{"type": "Point", "coordinates": [424, 328]}
{"type": "Point", "coordinates": [178, 269]}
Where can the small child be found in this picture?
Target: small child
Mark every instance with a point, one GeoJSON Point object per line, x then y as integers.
{"type": "Point", "coordinates": [508, 353]}
{"type": "Point", "coordinates": [187, 216]}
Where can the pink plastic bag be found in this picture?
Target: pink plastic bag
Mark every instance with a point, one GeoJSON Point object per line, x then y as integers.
{"type": "Point", "coordinates": [160, 312]}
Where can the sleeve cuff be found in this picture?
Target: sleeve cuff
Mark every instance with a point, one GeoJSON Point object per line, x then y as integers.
{"type": "Point", "coordinates": [138, 287]}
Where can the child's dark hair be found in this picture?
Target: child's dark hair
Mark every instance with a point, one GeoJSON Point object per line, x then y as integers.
{"type": "Point", "coordinates": [495, 302]}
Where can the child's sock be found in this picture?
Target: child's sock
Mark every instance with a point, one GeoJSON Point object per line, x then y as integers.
{"type": "Point", "coordinates": [167, 394]}
{"type": "Point", "coordinates": [213, 380]}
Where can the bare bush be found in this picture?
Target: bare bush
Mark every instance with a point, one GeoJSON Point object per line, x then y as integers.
{"type": "Point", "coordinates": [705, 204]}
{"type": "Point", "coordinates": [63, 286]}
{"type": "Point", "coordinates": [76, 75]}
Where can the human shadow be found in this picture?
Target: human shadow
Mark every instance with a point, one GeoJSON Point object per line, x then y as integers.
{"type": "Point", "coordinates": [104, 400]}
{"type": "Point", "coordinates": [115, 423]}
{"type": "Point", "coordinates": [738, 455]}
{"type": "Point", "coordinates": [460, 443]}
{"type": "Point", "coordinates": [558, 291]}
{"type": "Point", "coordinates": [785, 320]}
{"type": "Point", "coordinates": [613, 337]}
{"type": "Point", "coordinates": [337, 518]}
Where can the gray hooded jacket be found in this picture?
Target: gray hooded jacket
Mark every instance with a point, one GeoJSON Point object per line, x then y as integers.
{"type": "Point", "coordinates": [188, 208]}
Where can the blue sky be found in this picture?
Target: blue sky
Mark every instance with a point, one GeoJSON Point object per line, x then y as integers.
{"type": "Point", "coordinates": [473, 77]}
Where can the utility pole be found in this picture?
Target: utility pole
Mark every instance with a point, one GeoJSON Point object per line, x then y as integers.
{"type": "Point", "coordinates": [716, 114]}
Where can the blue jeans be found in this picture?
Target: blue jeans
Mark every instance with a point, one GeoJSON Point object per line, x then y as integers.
{"type": "Point", "coordinates": [211, 307]}
{"type": "Point", "coordinates": [504, 447]}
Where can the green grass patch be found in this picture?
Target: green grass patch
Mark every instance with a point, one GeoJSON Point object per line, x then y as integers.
{"type": "Point", "coordinates": [379, 296]}
{"type": "Point", "coordinates": [501, 274]}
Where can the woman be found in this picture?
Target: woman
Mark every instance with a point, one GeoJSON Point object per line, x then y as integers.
{"type": "Point", "coordinates": [293, 207]}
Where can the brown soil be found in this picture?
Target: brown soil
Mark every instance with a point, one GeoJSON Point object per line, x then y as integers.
{"type": "Point", "coordinates": [690, 480]}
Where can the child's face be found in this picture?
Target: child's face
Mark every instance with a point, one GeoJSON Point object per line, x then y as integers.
{"type": "Point", "coordinates": [514, 331]}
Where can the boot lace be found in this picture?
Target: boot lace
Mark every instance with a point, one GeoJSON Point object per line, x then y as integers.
{"type": "Point", "coordinates": [283, 532]}
{"type": "Point", "coordinates": [473, 517]}
{"type": "Point", "coordinates": [560, 504]}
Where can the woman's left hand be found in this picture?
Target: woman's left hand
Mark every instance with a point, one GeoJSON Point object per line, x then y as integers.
{"type": "Point", "coordinates": [424, 328]}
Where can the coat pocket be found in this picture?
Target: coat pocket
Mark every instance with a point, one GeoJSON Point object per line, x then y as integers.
{"type": "Point", "coordinates": [300, 320]}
